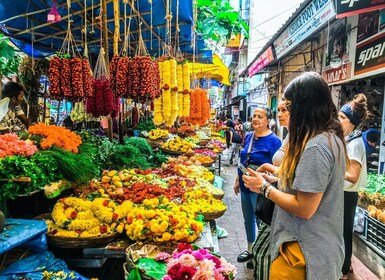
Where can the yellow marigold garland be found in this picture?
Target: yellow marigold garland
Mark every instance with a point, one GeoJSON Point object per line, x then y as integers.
{"type": "Point", "coordinates": [158, 111]}
{"type": "Point", "coordinates": [186, 90]}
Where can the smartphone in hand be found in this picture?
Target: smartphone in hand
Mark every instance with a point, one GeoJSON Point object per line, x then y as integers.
{"type": "Point", "coordinates": [243, 169]}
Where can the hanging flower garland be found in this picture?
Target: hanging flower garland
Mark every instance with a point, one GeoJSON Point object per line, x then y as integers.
{"type": "Point", "coordinates": [199, 107]}
{"type": "Point", "coordinates": [186, 90]}
{"type": "Point", "coordinates": [179, 78]}
{"type": "Point", "coordinates": [70, 78]}
{"type": "Point", "coordinates": [158, 111]}
{"type": "Point", "coordinates": [166, 92]}
{"type": "Point", "coordinates": [174, 91]}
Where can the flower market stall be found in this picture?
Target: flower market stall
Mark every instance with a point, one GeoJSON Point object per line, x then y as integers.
{"type": "Point", "coordinates": [97, 195]}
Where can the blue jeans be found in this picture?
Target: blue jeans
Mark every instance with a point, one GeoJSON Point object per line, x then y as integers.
{"type": "Point", "coordinates": [234, 148]}
{"type": "Point", "coordinates": [249, 204]}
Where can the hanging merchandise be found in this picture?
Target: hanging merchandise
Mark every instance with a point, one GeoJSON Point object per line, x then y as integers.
{"type": "Point", "coordinates": [113, 71]}
{"type": "Point", "coordinates": [174, 90]}
{"type": "Point", "coordinates": [53, 15]}
{"type": "Point", "coordinates": [158, 111]}
{"type": "Point", "coordinates": [123, 84]}
{"type": "Point", "coordinates": [69, 75]}
{"type": "Point", "coordinates": [186, 90]}
{"type": "Point", "coordinates": [144, 74]}
{"type": "Point", "coordinates": [166, 92]}
{"type": "Point", "coordinates": [102, 102]}
{"type": "Point", "coordinates": [199, 107]}
{"type": "Point", "coordinates": [179, 79]}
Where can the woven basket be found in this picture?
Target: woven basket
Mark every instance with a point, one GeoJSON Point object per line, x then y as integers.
{"type": "Point", "coordinates": [172, 152]}
{"type": "Point", "coordinates": [218, 196]}
{"type": "Point", "coordinates": [212, 215]}
{"type": "Point", "coordinates": [153, 143]}
{"type": "Point", "coordinates": [203, 143]}
{"type": "Point", "coordinates": [208, 164]}
{"type": "Point", "coordinates": [76, 242]}
{"type": "Point", "coordinates": [130, 265]}
{"type": "Point", "coordinates": [215, 158]}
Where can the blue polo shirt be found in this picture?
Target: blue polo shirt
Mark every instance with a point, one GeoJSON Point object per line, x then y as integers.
{"type": "Point", "coordinates": [262, 151]}
{"type": "Point", "coordinates": [369, 149]}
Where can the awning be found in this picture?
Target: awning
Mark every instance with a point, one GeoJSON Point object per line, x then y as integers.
{"type": "Point", "coordinates": [26, 22]}
{"type": "Point", "coordinates": [216, 70]}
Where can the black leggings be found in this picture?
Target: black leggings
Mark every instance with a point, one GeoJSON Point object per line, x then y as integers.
{"type": "Point", "coordinates": [350, 204]}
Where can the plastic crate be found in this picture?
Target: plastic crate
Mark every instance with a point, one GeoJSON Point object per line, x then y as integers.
{"type": "Point", "coordinates": [374, 232]}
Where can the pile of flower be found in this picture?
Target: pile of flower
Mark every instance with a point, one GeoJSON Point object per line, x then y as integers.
{"type": "Point", "coordinates": [11, 145]}
{"type": "Point", "coordinates": [201, 201]}
{"type": "Point", "coordinates": [206, 152]}
{"type": "Point", "coordinates": [140, 190]}
{"type": "Point", "coordinates": [56, 135]}
{"type": "Point", "coordinates": [160, 220]}
{"type": "Point", "coordinates": [157, 133]}
{"type": "Point", "coordinates": [75, 217]}
{"type": "Point", "coordinates": [187, 263]}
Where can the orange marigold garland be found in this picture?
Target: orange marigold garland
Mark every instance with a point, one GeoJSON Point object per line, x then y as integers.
{"type": "Point", "coordinates": [199, 107]}
{"type": "Point", "coordinates": [56, 135]}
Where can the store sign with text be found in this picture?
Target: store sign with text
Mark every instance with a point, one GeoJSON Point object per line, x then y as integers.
{"type": "Point", "coordinates": [370, 55]}
{"type": "Point", "coordinates": [351, 7]}
{"type": "Point", "coordinates": [262, 61]}
{"type": "Point", "coordinates": [342, 73]}
{"type": "Point", "coordinates": [312, 17]}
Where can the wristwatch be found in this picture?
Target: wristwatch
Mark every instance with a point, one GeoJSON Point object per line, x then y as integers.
{"type": "Point", "coordinates": [264, 186]}
{"type": "Point", "coordinates": [267, 191]}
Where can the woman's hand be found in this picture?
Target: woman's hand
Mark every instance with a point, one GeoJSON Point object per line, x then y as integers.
{"type": "Point", "coordinates": [267, 167]}
{"type": "Point", "coordinates": [254, 180]}
{"type": "Point", "coordinates": [236, 186]}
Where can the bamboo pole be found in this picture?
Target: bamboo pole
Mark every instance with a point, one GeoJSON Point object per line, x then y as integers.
{"type": "Point", "coordinates": [117, 27]}
{"type": "Point", "coordinates": [29, 30]}
{"type": "Point", "coordinates": [105, 29]}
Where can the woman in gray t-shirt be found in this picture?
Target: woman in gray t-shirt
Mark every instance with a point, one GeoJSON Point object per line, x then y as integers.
{"type": "Point", "coordinates": [306, 231]}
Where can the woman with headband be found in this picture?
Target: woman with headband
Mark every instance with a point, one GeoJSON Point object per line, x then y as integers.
{"type": "Point", "coordinates": [351, 116]}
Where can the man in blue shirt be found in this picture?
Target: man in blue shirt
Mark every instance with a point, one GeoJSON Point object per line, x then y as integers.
{"type": "Point", "coordinates": [371, 137]}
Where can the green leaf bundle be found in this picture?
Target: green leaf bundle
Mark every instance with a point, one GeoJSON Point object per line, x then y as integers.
{"type": "Point", "coordinates": [77, 168]}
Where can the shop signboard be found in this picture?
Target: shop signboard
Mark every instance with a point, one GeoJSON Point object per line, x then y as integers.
{"type": "Point", "coordinates": [311, 18]}
{"type": "Point", "coordinates": [370, 55]}
{"type": "Point", "coordinates": [337, 75]}
{"type": "Point", "coordinates": [352, 7]}
{"type": "Point", "coordinates": [262, 61]}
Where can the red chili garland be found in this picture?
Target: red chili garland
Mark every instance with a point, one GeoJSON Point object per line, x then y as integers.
{"type": "Point", "coordinates": [102, 101]}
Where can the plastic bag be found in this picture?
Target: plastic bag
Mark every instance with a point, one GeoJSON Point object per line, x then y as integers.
{"type": "Point", "coordinates": [359, 220]}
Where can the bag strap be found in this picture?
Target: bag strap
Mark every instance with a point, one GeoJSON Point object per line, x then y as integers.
{"type": "Point", "coordinates": [249, 148]}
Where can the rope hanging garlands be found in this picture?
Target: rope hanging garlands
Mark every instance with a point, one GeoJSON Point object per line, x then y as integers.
{"type": "Point", "coordinates": [69, 75]}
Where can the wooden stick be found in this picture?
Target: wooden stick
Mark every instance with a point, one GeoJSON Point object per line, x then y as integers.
{"type": "Point", "coordinates": [105, 30]}
{"type": "Point", "coordinates": [19, 179]}
{"type": "Point", "coordinates": [117, 27]}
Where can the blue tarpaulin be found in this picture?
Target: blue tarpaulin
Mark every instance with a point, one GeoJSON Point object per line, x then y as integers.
{"type": "Point", "coordinates": [33, 267]}
{"type": "Point", "coordinates": [26, 22]}
{"type": "Point", "coordinates": [26, 233]}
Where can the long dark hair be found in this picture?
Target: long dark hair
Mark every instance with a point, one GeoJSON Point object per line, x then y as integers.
{"type": "Point", "coordinates": [312, 112]}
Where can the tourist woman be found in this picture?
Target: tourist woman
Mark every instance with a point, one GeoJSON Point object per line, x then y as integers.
{"type": "Point", "coordinates": [306, 230]}
{"type": "Point", "coordinates": [259, 147]}
{"type": "Point", "coordinates": [261, 247]}
{"type": "Point", "coordinates": [351, 116]}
